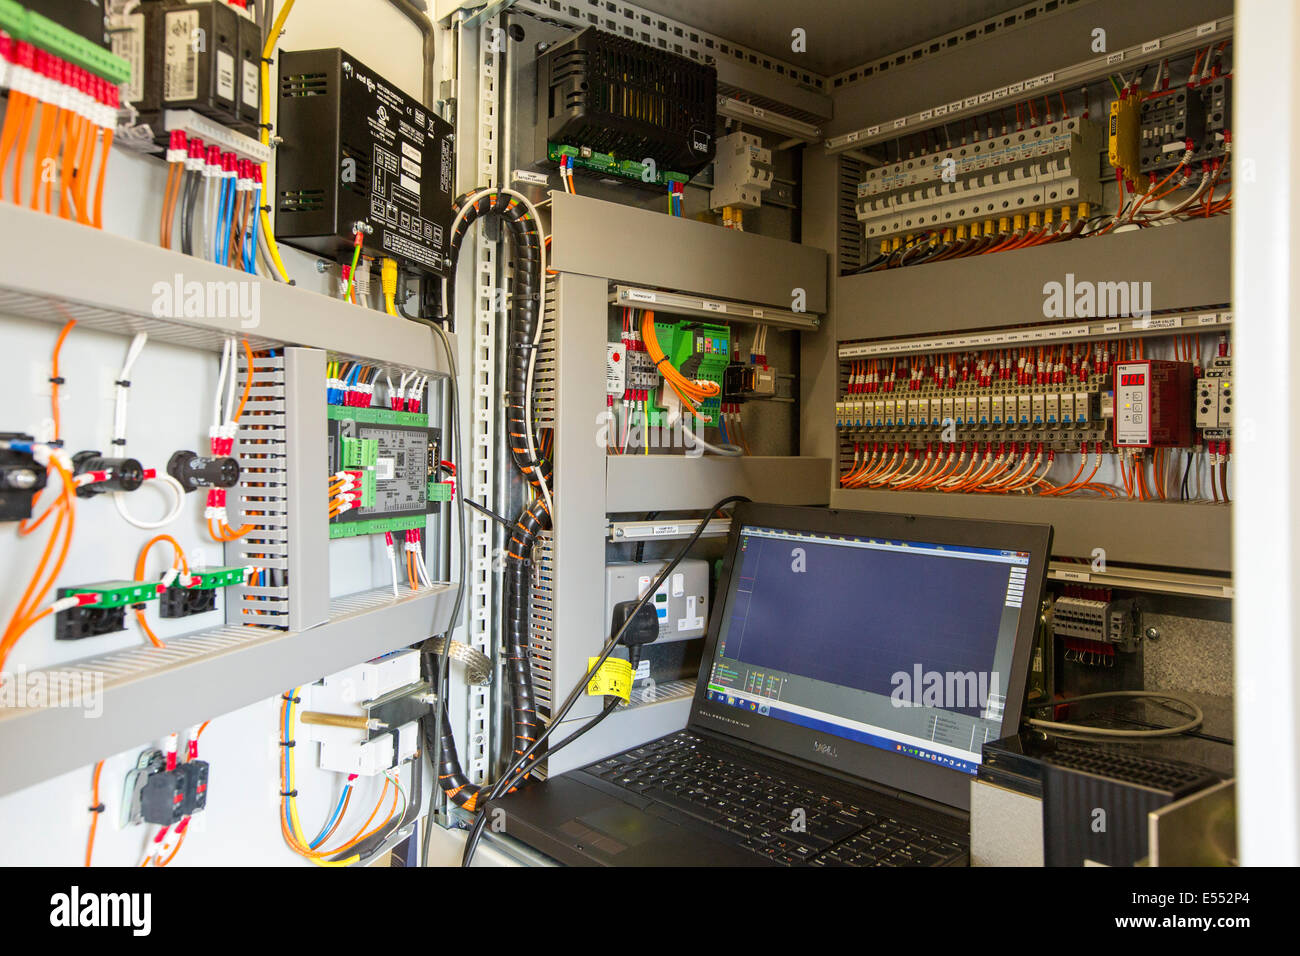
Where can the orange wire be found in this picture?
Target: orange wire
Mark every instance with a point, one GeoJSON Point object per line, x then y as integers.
{"type": "Point", "coordinates": [54, 376]}
{"type": "Point", "coordinates": [97, 220]}
{"type": "Point", "coordinates": [248, 381]}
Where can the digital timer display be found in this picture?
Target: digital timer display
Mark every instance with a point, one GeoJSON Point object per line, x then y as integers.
{"type": "Point", "coordinates": [1137, 378]}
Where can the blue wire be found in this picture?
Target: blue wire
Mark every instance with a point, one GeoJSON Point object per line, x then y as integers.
{"type": "Point", "coordinates": [221, 210]}
{"type": "Point", "coordinates": [722, 427]}
{"type": "Point", "coordinates": [219, 247]}
{"type": "Point", "coordinates": [230, 222]}
{"type": "Point", "coordinates": [320, 837]}
{"type": "Point", "coordinates": [250, 244]}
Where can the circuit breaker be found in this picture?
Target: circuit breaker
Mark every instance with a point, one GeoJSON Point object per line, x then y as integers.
{"type": "Point", "coordinates": [742, 172]}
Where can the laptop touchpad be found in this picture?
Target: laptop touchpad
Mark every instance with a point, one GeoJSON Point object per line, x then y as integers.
{"type": "Point", "coordinates": [614, 829]}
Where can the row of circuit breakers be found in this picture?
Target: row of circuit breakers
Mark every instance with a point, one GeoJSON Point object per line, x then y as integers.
{"type": "Point", "coordinates": [1154, 403]}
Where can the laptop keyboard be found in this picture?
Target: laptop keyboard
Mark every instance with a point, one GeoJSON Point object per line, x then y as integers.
{"type": "Point", "coordinates": [770, 815]}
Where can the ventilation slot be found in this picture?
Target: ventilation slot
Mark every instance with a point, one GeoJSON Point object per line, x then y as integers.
{"type": "Point", "coordinates": [304, 84]}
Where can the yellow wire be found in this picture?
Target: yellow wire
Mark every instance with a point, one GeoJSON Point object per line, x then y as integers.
{"type": "Point", "coordinates": [303, 848]}
{"type": "Point", "coordinates": [271, 39]}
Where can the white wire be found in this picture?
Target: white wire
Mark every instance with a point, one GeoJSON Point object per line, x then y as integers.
{"type": "Point", "coordinates": [122, 391]}
{"type": "Point", "coordinates": [392, 564]}
{"type": "Point", "coordinates": [217, 420]}
{"type": "Point", "coordinates": [119, 443]}
{"type": "Point", "coordinates": [230, 383]}
{"type": "Point", "coordinates": [422, 570]}
{"type": "Point", "coordinates": [162, 480]}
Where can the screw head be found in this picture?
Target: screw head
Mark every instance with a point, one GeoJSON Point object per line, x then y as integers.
{"type": "Point", "coordinates": [1153, 634]}
{"type": "Point", "coordinates": [21, 479]}
{"type": "Point", "coordinates": [322, 266]}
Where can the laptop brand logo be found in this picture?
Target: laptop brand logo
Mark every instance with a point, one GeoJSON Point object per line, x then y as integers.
{"type": "Point", "coordinates": [825, 749]}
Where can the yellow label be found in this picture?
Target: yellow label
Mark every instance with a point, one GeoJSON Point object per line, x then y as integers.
{"type": "Point", "coordinates": [614, 678]}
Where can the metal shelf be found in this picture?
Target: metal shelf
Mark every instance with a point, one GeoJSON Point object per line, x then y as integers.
{"type": "Point", "coordinates": [679, 483]}
{"type": "Point", "coordinates": [113, 285]}
{"type": "Point", "coordinates": [1143, 579]}
{"type": "Point", "coordinates": [150, 692]}
{"type": "Point", "coordinates": [1007, 288]}
{"type": "Point", "coordinates": [649, 249]}
{"type": "Point", "coordinates": [1167, 534]}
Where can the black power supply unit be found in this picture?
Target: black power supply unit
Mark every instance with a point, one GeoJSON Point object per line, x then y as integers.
{"type": "Point", "coordinates": [202, 56]}
{"type": "Point", "coordinates": [627, 99]}
{"type": "Point", "coordinates": [355, 149]}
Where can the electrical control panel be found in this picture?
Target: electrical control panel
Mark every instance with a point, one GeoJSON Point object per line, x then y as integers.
{"type": "Point", "coordinates": [1152, 404]}
{"type": "Point", "coordinates": [358, 153]}
{"type": "Point", "coordinates": [681, 603]}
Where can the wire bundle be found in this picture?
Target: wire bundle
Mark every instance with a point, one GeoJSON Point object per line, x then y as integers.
{"type": "Point", "coordinates": [221, 436]}
{"type": "Point", "coordinates": [53, 458]}
{"type": "Point", "coordinates": [366, 839]}
{"type": "Point", "coordinates": [691, 392]}
{"type": "Point", "coordinates": [524, 333]}
{"type": "Point", "coordinates": [74, 113]}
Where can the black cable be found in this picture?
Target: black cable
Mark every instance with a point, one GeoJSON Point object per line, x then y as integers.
{"type": "Point", "coordinates": [640, 545]}
{"type": "Point", "coordinates": [520, 768]}
{"type": "Point", "coordinates": [190, 195]}
{"type": "Point", "coordinates": [1187, 471]}
{"type": "Point", "coordinates": [488, 512]}
{"type": "Point", "coordinates": [476, 831]}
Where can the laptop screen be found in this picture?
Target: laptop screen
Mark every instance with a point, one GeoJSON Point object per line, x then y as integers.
{"type": "Point", "coordinates": [905, 646]}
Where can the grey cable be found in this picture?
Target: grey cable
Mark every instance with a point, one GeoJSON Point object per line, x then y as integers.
{"type": "Point", "coordinates": [442, 673]}
{"type": "Point", "coordinates": [730, 451]}
{"type": "Point", "coordinates": [1197, 718]}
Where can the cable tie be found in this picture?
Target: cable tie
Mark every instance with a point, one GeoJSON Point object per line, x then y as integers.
{"type": "Point", "coordinates": [119, 441]}
{"type": "Point", "coordinates": [292, 700]}
{"type": "Point", "coordinates": [124, 382]}
{"type": "Point", "coordinates": [289, 743]}
{"type": "Point", "coordinates": [98, 808]}
{"type": "Point", "coordinates": [57, 380]}
{"type": "Point", "coordinates": [289, 793]}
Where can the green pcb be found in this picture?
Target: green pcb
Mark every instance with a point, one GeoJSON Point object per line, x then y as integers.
{"type": "Point", "coordinates": [584, 158]}
{"type": "Point", "coordinates": [699, 351]}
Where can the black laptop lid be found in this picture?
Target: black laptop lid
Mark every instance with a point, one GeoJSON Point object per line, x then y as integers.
{"type": "Point", "coordinates": [886, 647]}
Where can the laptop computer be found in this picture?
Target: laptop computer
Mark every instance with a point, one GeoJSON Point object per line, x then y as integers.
{"type": "Point", "coordinates": [855, 664]}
